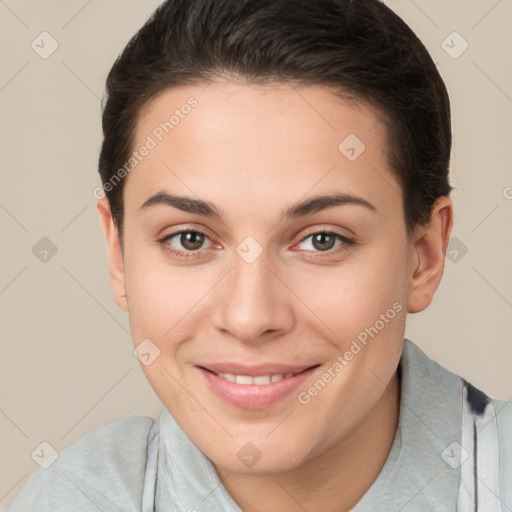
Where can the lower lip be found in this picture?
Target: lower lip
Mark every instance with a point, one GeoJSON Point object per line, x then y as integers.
{"type": "Point", "coordinates": [254, 396]}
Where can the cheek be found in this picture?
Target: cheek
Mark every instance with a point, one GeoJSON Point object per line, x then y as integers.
{"type": "Point", "coordinates": [346, 298]}
{"type": "Point", "coordinates": [353, 296]}
{"type": "Point", "coordinates": [157, 294]}
{"type": "Point", "coordinates": [361, 308]}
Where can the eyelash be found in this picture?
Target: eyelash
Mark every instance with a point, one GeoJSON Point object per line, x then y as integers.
{"type": "Point", "coordinates": [347, 243]}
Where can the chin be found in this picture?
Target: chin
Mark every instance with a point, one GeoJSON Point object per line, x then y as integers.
{"type": "Point", "coordinates": [260, 458]}
{"type": "Point", "coordinates": [273, 465]}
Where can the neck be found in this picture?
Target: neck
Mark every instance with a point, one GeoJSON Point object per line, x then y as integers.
{"type": "Point", "coordinates": [335, 480]}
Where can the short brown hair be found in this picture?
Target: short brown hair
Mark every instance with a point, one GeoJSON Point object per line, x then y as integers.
{"type": "Point", "coordinates": [359, 47]}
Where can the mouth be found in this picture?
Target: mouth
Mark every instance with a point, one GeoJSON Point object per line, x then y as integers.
{"type": "Point", "coordinates": [256, 387]}
{"type": "Point", "coordinates": [258, 380]}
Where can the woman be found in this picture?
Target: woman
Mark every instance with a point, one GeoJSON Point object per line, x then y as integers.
{"type": "Point", "coordinates": [277, 201]}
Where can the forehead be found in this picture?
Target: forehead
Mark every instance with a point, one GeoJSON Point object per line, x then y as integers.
{"type": "Point", "coordinates": [260, 141]}
{"type": "Point", "coordinates": [227, 111]}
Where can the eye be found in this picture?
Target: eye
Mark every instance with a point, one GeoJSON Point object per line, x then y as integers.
{"type": "Point", "coordinates": [325, 241]}
{"type": "Point", "coordinates": [191, 241]}
{"type": "Point", "coordinates": [188, 243]}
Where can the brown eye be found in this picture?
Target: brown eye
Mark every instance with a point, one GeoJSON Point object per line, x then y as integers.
{"type": "Point", "coordinates": [185, 242]}
{"type": "Point", "coordinates": [191, 240]}
{"type": "Point", "coordinates": [323, 241]}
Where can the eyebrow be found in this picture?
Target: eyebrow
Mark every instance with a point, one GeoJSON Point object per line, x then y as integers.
{"type": "Point", "coordinates": [300, 209]}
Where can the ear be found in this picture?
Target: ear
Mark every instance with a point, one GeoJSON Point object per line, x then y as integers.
{"type": "Point", "coordinates": [115, 254]}
{"type": "Point", "coordinates": [427, 255]}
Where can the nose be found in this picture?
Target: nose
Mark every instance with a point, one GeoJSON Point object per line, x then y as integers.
{"type": "Point", "coordinates": [254, 305]}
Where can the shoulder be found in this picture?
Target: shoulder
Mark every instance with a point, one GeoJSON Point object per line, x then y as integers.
{"type": "Point", "coordinates": [486, 450]}
{"type": "Point", "coordinates": [454, 409]}
{"type": "Point", "coordinates": [488, 434]}
{"type": "Point", "coordinates": [104, 470]}
{"type": "Point", "coordinates": [504, 424]}
{"type": "Point", "coordinates": [504, 418]}
{"type": "Point", "coordinates": [445, 393]}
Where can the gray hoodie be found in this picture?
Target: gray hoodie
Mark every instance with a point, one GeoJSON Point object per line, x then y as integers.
{"type": "Point", "coordinates": [452, 452]}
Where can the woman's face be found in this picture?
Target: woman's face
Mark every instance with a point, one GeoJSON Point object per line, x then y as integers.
{"type": "Point", "coordinates": [301, 303]}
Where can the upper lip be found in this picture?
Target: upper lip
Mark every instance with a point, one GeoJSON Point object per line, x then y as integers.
{"type": "Point", "coordinates": [255, 370]}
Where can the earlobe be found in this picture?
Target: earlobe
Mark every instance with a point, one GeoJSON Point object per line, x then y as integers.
{"type": "Point", "coordinates": [427, 258]}
{"type": "Point", "coordinates": [115, 253]}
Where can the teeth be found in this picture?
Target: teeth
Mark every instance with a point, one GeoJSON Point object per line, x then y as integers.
{"type": "Point", "coordinates": [260, 380]}
{"type": "Point", "coordinates": [263, 379]}
{"type": "Point", "coordinates": [243, 379]}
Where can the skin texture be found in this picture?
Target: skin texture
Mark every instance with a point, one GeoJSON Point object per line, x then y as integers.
{"type": "Point", "coordinates": [253, 151]}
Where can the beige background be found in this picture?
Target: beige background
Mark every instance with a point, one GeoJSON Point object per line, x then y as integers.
{"type": "Point", "coordinates": [66, 353]}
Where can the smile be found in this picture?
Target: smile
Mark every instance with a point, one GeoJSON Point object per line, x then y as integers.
{"type": "Point", "coordinates": [259, 380]}
{"type": "Point", "coordinates": [262, 389]}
